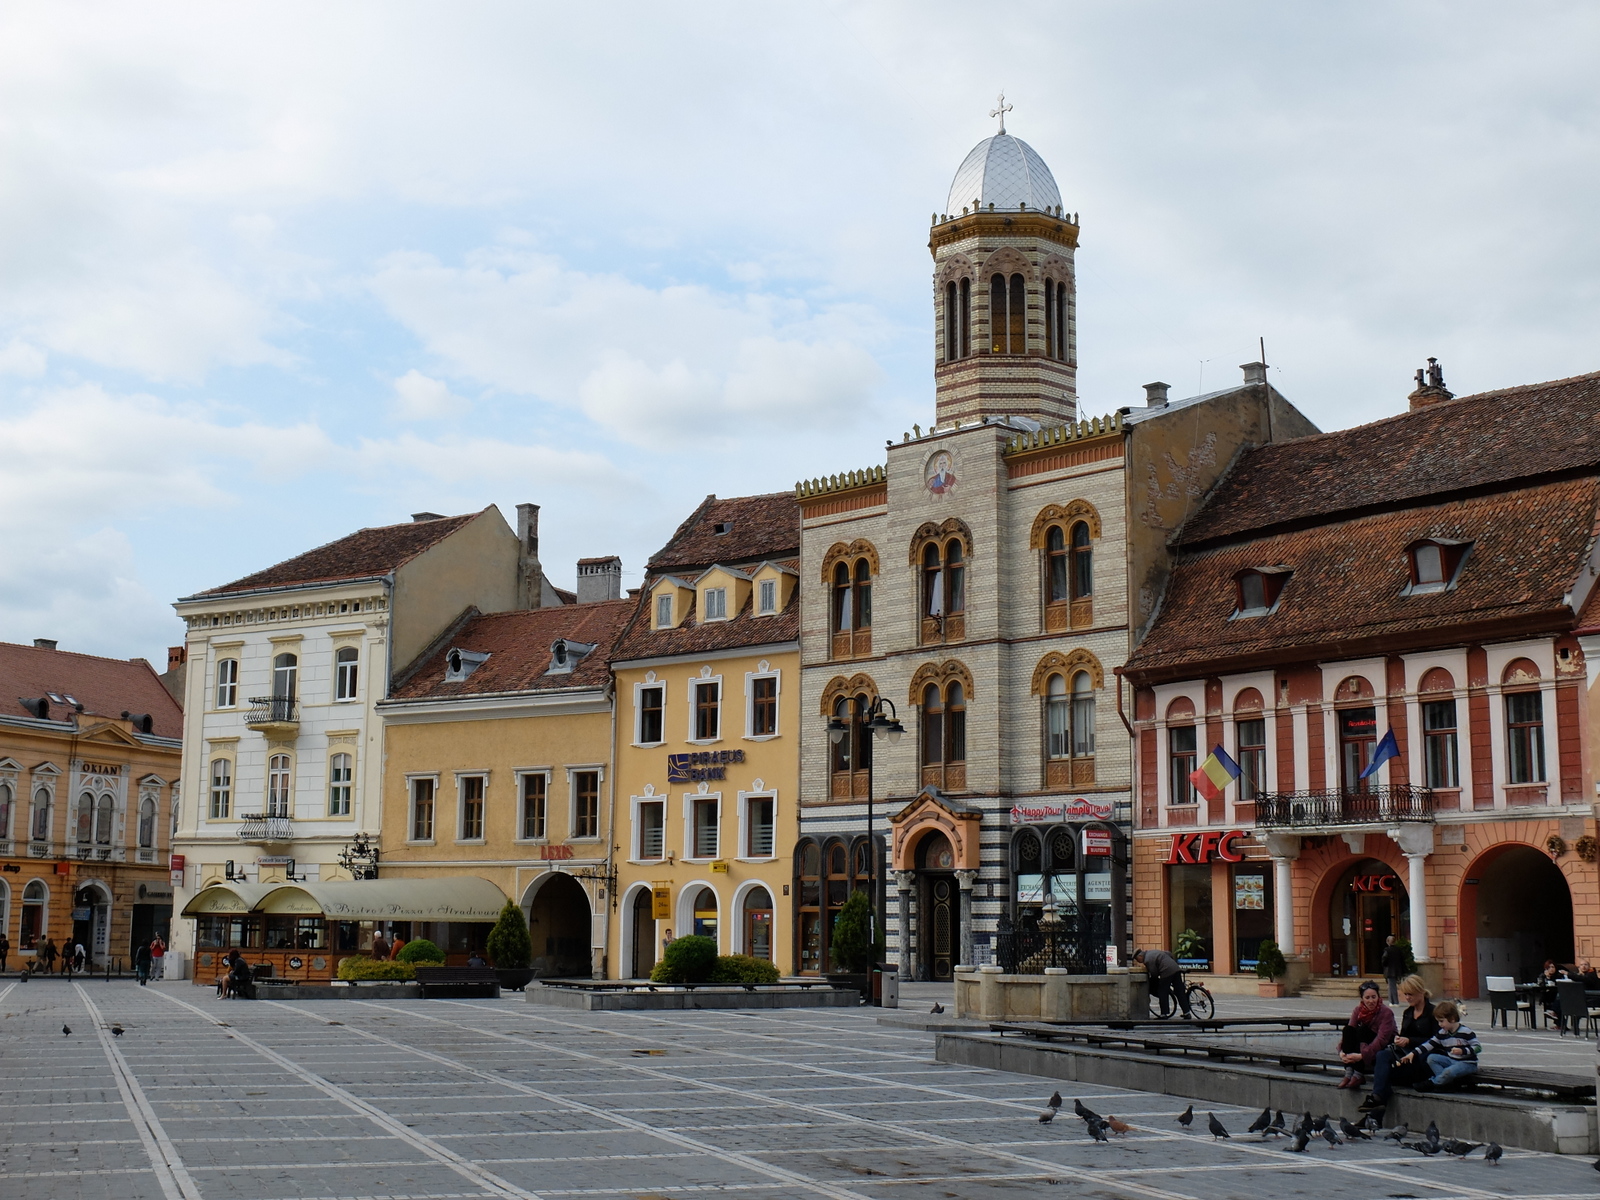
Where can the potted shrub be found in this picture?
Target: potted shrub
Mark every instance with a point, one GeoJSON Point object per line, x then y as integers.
{"type": "Point", "coordinates": [1271, 967]}
{"type": "Point", "coordinates": [851, 945]}
{"type": "Point", "coordinates": [511, 949]}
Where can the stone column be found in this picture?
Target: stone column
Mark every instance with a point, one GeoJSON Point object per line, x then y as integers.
{"type": "Point", "coordinates": [965, 879]}
{"type": "Point", "coordinates": [908, 959]}
{"type": "Point", "coordinates": [1284, 848]}
{"type": "Point", "coordinates": [1416, 843]}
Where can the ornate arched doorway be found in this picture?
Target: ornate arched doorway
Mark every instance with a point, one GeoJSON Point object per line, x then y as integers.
{"type": "Point", "coordinates": [938, 901]}
{"type": "Point", "coordinates": [560, 926]}
{"type": "Point", "coordinates": [1516, 911]}
{"type": "Point", "coordinates": [1366, 905]}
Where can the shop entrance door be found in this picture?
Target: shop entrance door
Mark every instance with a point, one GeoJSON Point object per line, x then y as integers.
{"type": "Point", "coordinates": [939, 899]}
{"type": "Point", "coordinates": [1380, 917]}
{"type": "Point", "coordinates": [1367, 905]}
{"type": "Point", "coordinates": [644, 933]}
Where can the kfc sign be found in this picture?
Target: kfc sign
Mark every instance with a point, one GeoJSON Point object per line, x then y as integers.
{"type": "Point", "coordinates": [1202, 847]}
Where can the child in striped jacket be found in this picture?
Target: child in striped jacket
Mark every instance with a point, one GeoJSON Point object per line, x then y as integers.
{"type": "Point", "coordinates": [1451, 1054]}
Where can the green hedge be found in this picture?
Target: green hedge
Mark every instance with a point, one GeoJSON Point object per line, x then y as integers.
{"type": "Point", "coordinates": [421, 950]}
{"type": "Point", "coordinates": [742, 968]}
{"type": "Point", "coordinates": [687, 960]}
{"type": "Point", "coordinates": [359, 966]}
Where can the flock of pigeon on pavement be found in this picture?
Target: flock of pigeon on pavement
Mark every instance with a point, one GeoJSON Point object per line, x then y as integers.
{"type": "Point", "coordinates": [1306, 1130]}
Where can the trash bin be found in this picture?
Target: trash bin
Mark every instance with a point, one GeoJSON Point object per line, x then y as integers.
{"type": "Point", "coordinates": [886, 985]}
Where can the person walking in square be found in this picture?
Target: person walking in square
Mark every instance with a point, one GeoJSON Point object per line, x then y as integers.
{"type": "Point", "coordinates": [5, 949]}
{"type": "Point", "coordinates": [47, 956]}
{"type": "Point", "coordinates": [141, 963]}
{"type": "Point", "coordinates": [1394, 967]}
{"type": "Point", "coordinates": [158, 955]}
{"type": "Point", "coordinates": [79, 957]}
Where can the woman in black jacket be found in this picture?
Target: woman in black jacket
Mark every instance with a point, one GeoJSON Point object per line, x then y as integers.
{"type": "Point", "coordinates": [1417, 1025]}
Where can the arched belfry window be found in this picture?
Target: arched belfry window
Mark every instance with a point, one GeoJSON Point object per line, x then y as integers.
{"type": "Point", "coordinates": [957, 319]}
{"type": "Point", "coordinates": [1008, 312]}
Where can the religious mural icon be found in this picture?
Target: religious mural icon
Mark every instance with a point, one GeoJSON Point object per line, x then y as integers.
{"type": "Point", "coordinates": [941, 473]}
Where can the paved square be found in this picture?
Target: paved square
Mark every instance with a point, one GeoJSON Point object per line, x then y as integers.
{"type": "Point", "coordinates": [440, 1100]}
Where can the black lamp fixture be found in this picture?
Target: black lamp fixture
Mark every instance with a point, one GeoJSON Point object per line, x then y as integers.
{"type": "Point", "coordinates": [360, 858]}
{"type": "Point", "coordinates": [884, 725]}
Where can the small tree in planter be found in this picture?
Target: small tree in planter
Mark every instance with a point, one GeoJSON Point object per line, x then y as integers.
{"type": "Point", "coordinates": [1411, 959]}
{"type": "Point", "coordinates": [850, 945]}
{"type": "Point", "coordinates": [1271, 967]}
{"type": "Point", "coordinates": [510, 947]}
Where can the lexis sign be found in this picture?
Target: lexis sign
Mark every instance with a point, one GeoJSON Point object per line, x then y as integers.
{"type": "Point", "coordinates": [1203, 847]}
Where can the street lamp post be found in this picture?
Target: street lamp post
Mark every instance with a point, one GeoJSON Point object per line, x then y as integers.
{"type": "Point", "coordinates": [888, 728]}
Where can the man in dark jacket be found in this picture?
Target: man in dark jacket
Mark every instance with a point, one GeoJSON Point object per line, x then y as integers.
{"type": "Point", "coordinates": [1394, 967]}
{"type": "Point", "coordinates": [1166, 980]}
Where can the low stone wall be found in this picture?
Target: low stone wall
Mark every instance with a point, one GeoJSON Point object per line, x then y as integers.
{"type": "Point", "coordinates": [1553, 1126]}
{"type": "Point", "coordinates": [663, 1000]}
{"type": "Point", "coordinates": [987, 994]}
{"type": "Point", "coordinates": [396, 990]}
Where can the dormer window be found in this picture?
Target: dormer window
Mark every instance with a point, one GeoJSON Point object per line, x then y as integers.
{"type": "Point", "coordinates": [1257, 590]}
{"type": "Point", "coordinates": [716, 604]}
{"type": "Point", "coordinates": [767, 597]}
{"type": "Point", "coordinates": [566, 654]}
{"type": "Point", "coordinates": [664, 611]}
{"type": "Point", "coordinates": [1434, 564]}
{"type": "Point", "coordinates": [722, 527]}
{"type": "Point", "coordinates": [460, 664]}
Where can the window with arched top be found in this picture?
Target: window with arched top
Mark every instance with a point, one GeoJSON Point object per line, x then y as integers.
{"type": "Point", "coordinates": [345, 667]}
{"type": "Point", "coordinates": [84, 828]}
{"type": "Point", "coordinates": [944, 736]}
{"type": "Point", "coordinates": [1008, 314]}
{"type": "Point", "coordinates": [1066, 536]}
{"type": "Point", "coordinates": [278, 786]}
{"type": "Point", "coordinates": [105, 818]}
{"type": "Point", "coordinates": [852, 752]}
{"type": "Point", "coordinates": [147, 823]}
{"type": "Point", "coordinates": [1069, 729]}
{"type": "Point", "coordinates": [957, 319]}
{"type": "Point", "coordinates": [944, 591]}
{"type": "Point", "coordinates": [41, 815]}
{"type": "Point", "coordinates": [35, 897]}
{"type": "Point", "coordinates": [285, 677]}
{"type": "Point", "coordinates": [6, 800]}
{"type": "Point", "coordinates": [847, 571]}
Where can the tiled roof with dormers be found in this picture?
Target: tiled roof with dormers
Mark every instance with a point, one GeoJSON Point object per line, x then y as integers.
{"type": "Point", "coordinates": [689, 636]}
{"type": "Point", "coordinates": [365, 554]}
{"type": "Point", "coordinates": [1346, 596]}
{"type": "Point", "coordinates": [752, 528]}
{"type": "Point", "coordinates": [1471, 443]}
{"type": "Point", "coordinates": [518, 646]}
{"type": "Point", "coordinates": [106, 687]}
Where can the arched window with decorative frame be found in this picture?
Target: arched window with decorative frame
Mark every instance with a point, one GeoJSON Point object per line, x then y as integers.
{"type": "Point", "coordinates": [957, 319]}
{"type": "Point", "coordinates": [944, 736]}
{"type": "Point", "coordinates": [1065, 535]}
{"type": "Point", "coordinates": [147, 823]}
{"type": "Point", "coordinates": [42, 816]}
{"type": "Point", "coordinates": [7, 803]}
{"type": "Point", "coordinates": [848, 571]}
{"type": "Point", "coordinates": [944, 591]}
{"type": "Point", "coordinates": [1069, 729]}
{"type": "Point", "coordinates": [1008, 314]}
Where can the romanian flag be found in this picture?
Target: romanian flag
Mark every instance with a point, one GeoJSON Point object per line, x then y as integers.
{"type": "Point", "coordinates": [1215, 774]}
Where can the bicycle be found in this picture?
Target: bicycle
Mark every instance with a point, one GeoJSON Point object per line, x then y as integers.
{"type": "Point", "coordinates": [1201, 1004]}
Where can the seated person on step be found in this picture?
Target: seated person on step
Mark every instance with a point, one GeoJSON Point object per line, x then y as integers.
{"type": "Point", "coordinates": [1370, 1030]}
{"type": "Point", "coordinates": [1451, 1054]}
{"type": "Point", "coordinates": [1417, 1025]}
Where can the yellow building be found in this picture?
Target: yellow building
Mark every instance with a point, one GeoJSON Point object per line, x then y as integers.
{"type": "Point", "coordinates": [497, 764]}
{"type": "Point", "coordinates": [707, 738]}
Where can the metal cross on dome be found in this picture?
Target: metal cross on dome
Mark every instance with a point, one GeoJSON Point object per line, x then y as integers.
{"type": "Point", "coordinates": [1001, 111]}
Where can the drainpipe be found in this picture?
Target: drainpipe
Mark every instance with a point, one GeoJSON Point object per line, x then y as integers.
{"type": "Point", "coordinates": [1117, 671]}
{"type": "Point", "coordinates": [611, 844]}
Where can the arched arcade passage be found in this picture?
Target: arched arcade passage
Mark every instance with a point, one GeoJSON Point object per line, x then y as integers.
{"type": "Point", "coordinates": [560, 923]}
{"type": "Point", "coordinates": [1516, 911]}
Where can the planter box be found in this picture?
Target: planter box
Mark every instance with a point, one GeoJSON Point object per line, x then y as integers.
{"type": "Point", "coordinates": [1270, 989]}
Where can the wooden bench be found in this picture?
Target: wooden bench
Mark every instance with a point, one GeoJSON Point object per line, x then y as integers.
{"type": "Point", "coordinates": [459, 983]}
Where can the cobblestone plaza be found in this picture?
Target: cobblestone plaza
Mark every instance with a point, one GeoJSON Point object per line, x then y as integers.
{"type": "Point", "coordinates": [439, 1100]}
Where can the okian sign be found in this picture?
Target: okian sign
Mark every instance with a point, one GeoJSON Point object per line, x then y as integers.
{"type": "Point", "coordinates": [1202, 847]}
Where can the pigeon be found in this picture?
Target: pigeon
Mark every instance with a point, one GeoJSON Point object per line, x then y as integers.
{"type": "Point", "coordinates": [1277, 1122]}
{"type": "Point", "coordinates": [66, 1031]}
{"type": "Point", "coordinates": [1084, 1111]}
{"type": "Point", "coordinates": [1432, 1133]}
{"type": "Point", "coordinates": [1353, 1132]}
{"type": "Point", "coordinates": [1047, 1116]}
{"type": "Point", "coordinates": [1397, 1134]}
{"type": "Point", "coordinates": [1331, 1136]}
{"type": "Point", "coordinates": [1422, 1147]}
{"type": "Point", "coordinates": [1319, 1124]}
{"type": "Point", "coordinates": [1370, 1122]}
{"type": "Point", "coordinates": [1262, 1121]}
{"type": "Point", "coordinates": [1303, 1125]}
{"type": "Point", "coordinates": [1118, 1126]}
{"type": "Point", "coordinates": [1097, 1130]}
{"type": "Point", "coordinates": [1493, 1153]}
{"type": "Point", "coordinates": [1216, 1127]}
{"type": "Point", "coordinates": [1186, 1117]}
{"type": "Point", "coordinates": [1055, 1100]}
{"type": "Point", "coordinates": [937, 1008]}
{"type": "Point", "coordinates": [116, 1031]}
{"type": "Point", "coordinates": [1301, 1137]}
{"type": "Point", "coordinates": [1459, 1148]}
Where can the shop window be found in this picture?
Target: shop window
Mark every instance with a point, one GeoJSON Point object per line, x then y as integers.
{"type": "Point", "coordinates": [472, 798]}
{"type": "Point", "coordinates": [808, 906]}
{"type": "Point", "coordinates": [535, 797]}
{"type": "Point", "coordinates": [227, 683]}
{"type": "Point", "coordinates": [652, 829]}
{"type": "Point", "coordinates": [1440, 755]}
{"type": "Point", "coordinates": [944, 737]}
{"type": "Point", "coordinates": [1189, 915]}
{"type": "Point", "coordinates": [764, 706]}
{"type": "Point", "coordinates": [34, 897]}
{"type": "Point", "coordinates": [651, 713]}
{"type": "Point", "coordinates": [341, 775]}
{"type": "Point", "coordinates": [706, 826]}
{"type": "Point", "coordinates": [705, 914]}
{"type": "Point", "coordinates": [1252, 913]}
{"type": "Point", "coordinates": [345, 673]}
{"type": "Point", "coordinates": [1358, 735]}
{"type": "Point", "coordinates": [1181, 763]}
{"type": "Point", "coordinates": [759, 826]}
{"type": "Point", "coordinates": [1524, 737]}
{"type": "Point", "coordinates": [707, 704]}
{"type": "Point", "coordinates": [422, 793]}
{"type": "Point", "coordinates": [1252, 746]}
{"type": "Point", "coordinates": [585, 804]}
{"type": "Point", "coordinates": [758, 923]}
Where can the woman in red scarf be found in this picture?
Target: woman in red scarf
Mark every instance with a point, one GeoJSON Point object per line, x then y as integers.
{"type": "Point", "coordinates": [1371, 1028]}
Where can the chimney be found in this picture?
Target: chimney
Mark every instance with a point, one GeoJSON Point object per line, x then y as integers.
{"type": "Point", "coordinates": [176, 657]}
{"type": "Point", "coordinates": [530, 575]}
{"type": "Point", "coordinates": [44, 643]}
{"type": "Point", "coordinates": [599, 579]}
{"type": "Point", "coordinates": [1155, 395]}
{"type": "Point", "coordinates": [1430, 387]}
{"type": "Point", "coordinates": [1255, 372]}
{"type": "Point", "coordinates": [427, 516]}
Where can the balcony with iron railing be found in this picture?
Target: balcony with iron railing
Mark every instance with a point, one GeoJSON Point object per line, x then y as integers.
{"type": "Point", "coordinates": [1341, 809]}
{"type": "Point", "coordinates": [264, 829]}
{"type": "Point", "coordinates": [276, 716]}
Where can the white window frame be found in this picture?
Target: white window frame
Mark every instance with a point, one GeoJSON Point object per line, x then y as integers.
{"type": "Point", "coordinates": [233, 786]}
{"type": "Point", "coordinates": [266, 791]}
{"type": "Point", "coordinates": [411, 809]}
{"type": "Point", "coordinates": [520, 774]}
{"type": "Point", "coordinates": [722, 704]}
{"type": "Point", "coordinates": [349, 784]}
{"type": "Point", "coordinates": [572, 802]}
{"type": "Point", "coordinates": [750, 706]}
{"type": "Point", "coordinates": [690, 799]}
{"type": "Point", "coordinates": [638, 711]}
{"type": "Point", "coordinates": [664, 598]}
{"type": "Point", "coordinates": [636, 849]}
{"type": "Point", "coordinates": [232, 683]}
{"type": "Point", "coordinates": [338, 675]}
{"type": "Point", "coordinates": [720, 604]}
{"type": "Point", "coordinates": [461, 778]}
{"type": "Point", "coordinates": [745, 826]}
{"type": "Point", "coordinates": [763, 587]}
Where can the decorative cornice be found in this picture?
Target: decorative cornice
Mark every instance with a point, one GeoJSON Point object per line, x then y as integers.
{"type": "Point", "coordinates": [1018, 222]}
{"type": "Point", "coordinates": [1053, 436]}
{"type": "Point", "coordinates": [831, 485]}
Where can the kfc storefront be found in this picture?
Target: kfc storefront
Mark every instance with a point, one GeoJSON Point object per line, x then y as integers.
{"type": "Point", "coordinates": [1217, 898]}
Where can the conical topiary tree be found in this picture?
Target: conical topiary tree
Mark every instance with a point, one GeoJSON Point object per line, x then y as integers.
{"type": "Point", "coordinates": [510, 947]}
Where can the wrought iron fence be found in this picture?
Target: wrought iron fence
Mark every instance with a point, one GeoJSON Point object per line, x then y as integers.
{"type": "Point", "coordinates": [261, 827]}
{"type": "Point", "coordinates": [1375, 806]}
{"type": "Point", "coordinates": [1073, 940]}
{"type": "Point", "coordinates": [272, 710]}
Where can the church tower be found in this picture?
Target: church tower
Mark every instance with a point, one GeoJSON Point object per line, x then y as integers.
{"type": "Point", "coordinates": [1004, 289]}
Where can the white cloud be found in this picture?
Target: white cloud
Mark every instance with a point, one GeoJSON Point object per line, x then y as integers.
{"type": "Point", "coordinates": [21, 359]}
{"type": "Point", "coordinates": [419, 398]}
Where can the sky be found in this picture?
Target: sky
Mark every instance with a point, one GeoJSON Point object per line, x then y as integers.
{"type": "Point", "coordinates": [272, 273]}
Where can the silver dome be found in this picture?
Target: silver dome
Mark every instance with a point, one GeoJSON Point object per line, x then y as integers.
{"type": "Point", "coordinates": [1006, 172]}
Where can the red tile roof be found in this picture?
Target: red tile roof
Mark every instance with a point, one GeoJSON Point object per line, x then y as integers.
{"type": "Point", "coordinates": [754, 528]}
{"type": "Point", "coordinates": [106, 687]}
{"type": "Point", "coordinates": [744, 628]}
{"type": "Point", "coordinates": [361, 555]}
{"type": "Point", "coordinates": [1345, 595]}
{"type": "Point", "coordinates": [518, 646]}
{"type": "Point", "coordinates": [1469, 443]}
